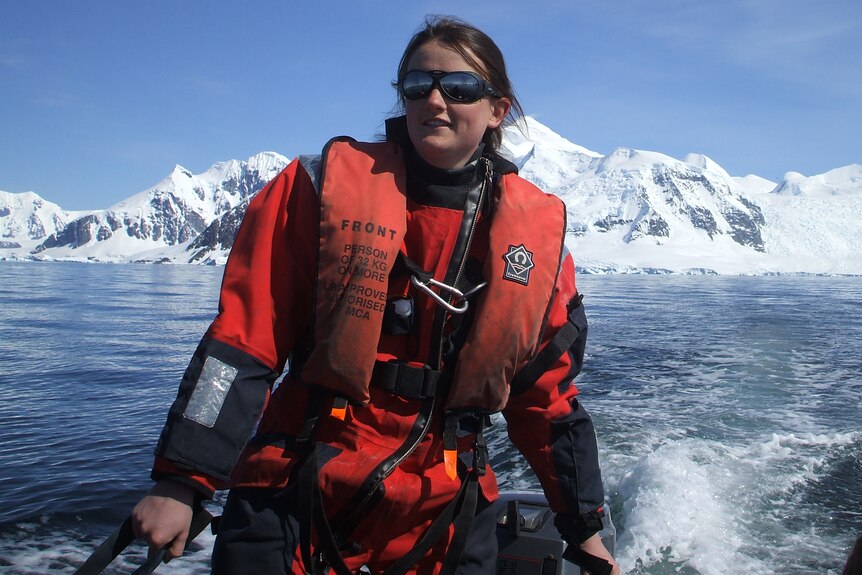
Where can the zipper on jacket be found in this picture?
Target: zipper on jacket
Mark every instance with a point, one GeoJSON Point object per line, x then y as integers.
{"type": "Point", "coordinates": [429, 407]}
{"type": "Point", "coordinates": [486, 179]}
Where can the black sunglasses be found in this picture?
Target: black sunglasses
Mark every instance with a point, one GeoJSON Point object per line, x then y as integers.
{"type": "Point", "coordinates": [464, 87]}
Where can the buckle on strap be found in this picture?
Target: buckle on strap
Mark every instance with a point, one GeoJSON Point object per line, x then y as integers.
{"type": "Point", "coordinates": [480, 452]}
{"type": "Point", "coordinates": [459, 424]}
{"type": "Point", "coordinates": [459, 295]}
{"type": "Point", "coordinates": [401, 378]}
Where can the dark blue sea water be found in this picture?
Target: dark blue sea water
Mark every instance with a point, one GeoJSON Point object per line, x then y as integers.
{"type": "Point", "coordinates": [729, 411]}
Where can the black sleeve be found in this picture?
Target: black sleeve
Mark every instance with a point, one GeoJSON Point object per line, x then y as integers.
{"type": "Point", "coordinates": [220, 400]}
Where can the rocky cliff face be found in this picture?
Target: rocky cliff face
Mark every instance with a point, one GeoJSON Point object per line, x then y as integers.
{"type": "Point", "coordinates": [214, 243]}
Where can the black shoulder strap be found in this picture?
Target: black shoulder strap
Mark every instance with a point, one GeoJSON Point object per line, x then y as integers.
{"type": "Point", "coordinates": [542, 361]}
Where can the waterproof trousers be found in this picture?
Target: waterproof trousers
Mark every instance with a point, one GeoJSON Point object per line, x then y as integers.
{"type": "Point", "coordinates": [259, 532]}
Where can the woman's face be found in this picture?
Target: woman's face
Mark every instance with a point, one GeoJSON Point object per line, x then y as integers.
{"type": "Point", "coordinates": [444, 132]}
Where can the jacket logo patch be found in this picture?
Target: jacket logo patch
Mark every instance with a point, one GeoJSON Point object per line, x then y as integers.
{"type": "Point", "coordinates": [519, 262]}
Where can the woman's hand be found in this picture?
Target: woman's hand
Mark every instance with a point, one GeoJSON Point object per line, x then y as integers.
{"type": "Point", "coordinates": [163, 517]}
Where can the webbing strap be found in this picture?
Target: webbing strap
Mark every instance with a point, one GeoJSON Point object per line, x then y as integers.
{"type": "Point", "coordinates": [117, 542]}
{"type": "Point", "coordinates": [309, 420]}
{"type": "Point", "coordinates": [108, 550]}
{"type": "Point", "coordinates": [405, 380]}
{"type": "Point", "coordinates": [312, 513]}
{"type": "Point", "coordinates": [305, 508]}
{"type": "Point", "coordinates": [463, 523]}
{"type": "Point", "coordinates": [543, 360]}
{"type": "Point", "coordinates": [459, 512]}
{"type": "Point", "coordinates": [404, 266]}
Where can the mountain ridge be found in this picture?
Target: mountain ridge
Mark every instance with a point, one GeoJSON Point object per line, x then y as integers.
{"type": "Point", "coordinates": [629, 211]}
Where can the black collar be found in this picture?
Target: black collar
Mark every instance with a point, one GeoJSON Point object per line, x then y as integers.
{"type": "Point", "coordinates": [396, 131]}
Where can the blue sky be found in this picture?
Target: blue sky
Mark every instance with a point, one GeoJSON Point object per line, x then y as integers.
{"type": "Point", "coordinates": [99, 100]}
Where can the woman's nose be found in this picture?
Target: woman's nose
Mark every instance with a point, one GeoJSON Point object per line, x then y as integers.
{"type": "Point", "coordinates": [435, 98]}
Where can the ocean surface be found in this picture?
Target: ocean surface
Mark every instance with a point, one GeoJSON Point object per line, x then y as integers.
{"type": "Point", "coordinates": [728, 410]}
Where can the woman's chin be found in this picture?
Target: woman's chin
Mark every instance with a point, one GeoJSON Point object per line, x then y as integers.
{"type": "Point", "coordinates": [438, 154]}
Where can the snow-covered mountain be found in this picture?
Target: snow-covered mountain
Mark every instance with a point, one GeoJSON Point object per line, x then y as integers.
{"type": "Point", "coordinates": [628, 211]}
{"type": "Point", "coordinates": [150, 225]}
{"type": "Point", "coordinates": [640, 211]}
{"type": "Point", "coordinates": [26, 219]}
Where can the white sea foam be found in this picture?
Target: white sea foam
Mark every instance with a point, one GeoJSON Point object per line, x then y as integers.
{"type": "Point", "coordinates": [675, 510]}
{"type": "Point", "coordinates": [699, 506]}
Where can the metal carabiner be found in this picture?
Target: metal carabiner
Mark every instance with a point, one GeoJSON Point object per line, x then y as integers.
{"type": "Point", "coordinates": [433, 295]}
{"type": "Point", "coordinates": [474, 290]}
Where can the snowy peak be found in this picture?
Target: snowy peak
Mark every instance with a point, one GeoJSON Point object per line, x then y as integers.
{"type": "Point", "coordinates": [174, 211]}
{"type": "Point", "coordinates": [27, 217]}
{"type": "Point", "coordinates": [707, 164]}
{"type": "Point", "coordinates": [633, 195]}
{"type": "Point", "coordinates": [533, 133]}
{"type": "Point", "coordinates": [216, 190]}
{"type": "Point", "coordinates": [840, 181]}
{"type": "Point", "coordinates": [754, 185]}
{"type": "Point", "coordinates": [267, 163]}
{"type": "Point", "coordinates": [544, 157]}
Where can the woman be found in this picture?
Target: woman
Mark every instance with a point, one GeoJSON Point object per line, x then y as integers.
{"type": "Point", "coordinates": [413, 287]}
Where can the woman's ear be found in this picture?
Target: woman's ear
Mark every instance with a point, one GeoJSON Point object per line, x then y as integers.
{"type": "Point", "coordinates": [499, 110]}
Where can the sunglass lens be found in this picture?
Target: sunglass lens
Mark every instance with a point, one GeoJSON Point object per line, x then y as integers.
{"type": "Point", "coordinates": [416, 85]}
{"type": "Point", "coordinates": [461, 87]}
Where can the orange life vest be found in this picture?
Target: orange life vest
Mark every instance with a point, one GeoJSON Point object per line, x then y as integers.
{"type": "Point", "coordinates": [362, 188]}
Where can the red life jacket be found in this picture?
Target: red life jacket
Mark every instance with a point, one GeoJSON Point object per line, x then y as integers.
{"type": "Point", "coordinates": [362, 188]}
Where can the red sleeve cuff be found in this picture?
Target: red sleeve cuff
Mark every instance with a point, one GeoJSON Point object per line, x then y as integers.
{"type": "Point", "coordinates": [203, 484]}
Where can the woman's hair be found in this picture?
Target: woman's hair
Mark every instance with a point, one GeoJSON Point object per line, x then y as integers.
{"type": "Point", "coordinates": [479, 51]}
